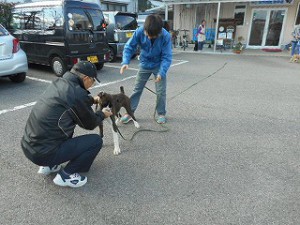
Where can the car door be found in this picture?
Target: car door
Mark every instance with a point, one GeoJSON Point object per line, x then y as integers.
{"type": "Point", "coordinates": [126, 24]}
{"type": "Point", "coordinates": [85, 36]}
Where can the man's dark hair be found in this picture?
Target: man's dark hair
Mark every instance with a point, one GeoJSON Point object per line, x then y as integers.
{"type": "Point", "coordinates": [153, 25]}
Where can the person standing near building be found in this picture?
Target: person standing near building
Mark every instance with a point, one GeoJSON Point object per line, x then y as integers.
{"type": "Point", "coordinates": [201, 35]}
{"type": "Point", "coordinates": [155, 58]}
{"type": "Point", "coordinates": [296, 39]}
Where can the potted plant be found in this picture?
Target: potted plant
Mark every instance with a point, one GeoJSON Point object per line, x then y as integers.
{"type": "Point", "coordinates": [238, 47]}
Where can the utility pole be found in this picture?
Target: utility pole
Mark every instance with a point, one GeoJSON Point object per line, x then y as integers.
{"type": "Point", "coordinates": [135, 6]}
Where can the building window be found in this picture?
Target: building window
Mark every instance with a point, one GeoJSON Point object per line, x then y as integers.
{"type": "Point", "coordinates": [104, 6]}
{"type": "Point", "coordinates": [113, 7]}
{"type": "Point", "coordinates": [239, 14]}
{"type": "Point", "coordinates": [297, 22]}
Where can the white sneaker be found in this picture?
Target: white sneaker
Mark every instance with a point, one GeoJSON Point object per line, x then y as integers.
{"type": "Point", "coordinates": [73, 180]}
{"type": "Point", "coordinates": [46, 170]}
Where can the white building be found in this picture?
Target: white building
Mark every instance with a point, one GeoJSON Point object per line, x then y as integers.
{"type": "Point", "coordinates": [261, 24]}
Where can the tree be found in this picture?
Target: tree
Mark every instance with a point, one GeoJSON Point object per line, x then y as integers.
{"type": "Point", "coordinates": [6, 13]}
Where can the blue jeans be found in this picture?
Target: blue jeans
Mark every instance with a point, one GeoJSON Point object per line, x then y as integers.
{"type": "Point", "coordinates": [79, 152]}
{"type": "Point", "coordinates": [295, 48]}
{"type": "Point", "coordinates": [140, 82]}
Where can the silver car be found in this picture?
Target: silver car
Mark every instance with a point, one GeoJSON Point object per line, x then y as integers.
{"type": "Point", "coordinates": [13, 60]}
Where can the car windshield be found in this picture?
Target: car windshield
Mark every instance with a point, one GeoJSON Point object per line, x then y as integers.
{"type": "Point", "coordinates": [80, 19]}
{"type": "Point", "coordinates": [126, 22]}
{"type": "Point", "coordinates": [3, 31]}
{"type": "Point", "coordinates": [36, 18]}
{"type": "Point", "coordinates": [97, 18]}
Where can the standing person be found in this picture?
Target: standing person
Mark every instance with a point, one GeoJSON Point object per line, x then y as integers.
{"type": "Point", "coordinates": [155, 58]}
{"type": "Point", "coordinates": [296, 39]}
{"type": "Point", "coordinates": [48, 138]}
{"type": "Point", "coordinates": [201, 35]}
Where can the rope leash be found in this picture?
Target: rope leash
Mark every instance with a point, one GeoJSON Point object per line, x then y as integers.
{"type": "Point", "coordinates": [175, 96]}
{"type": "Point", "coordinates": [149, 130]}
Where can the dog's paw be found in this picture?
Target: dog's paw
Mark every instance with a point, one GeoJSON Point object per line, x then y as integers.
{"type": "Point", "coordinates": [136, 124]}
{"type": "Point", "coordinates": [117, 151]}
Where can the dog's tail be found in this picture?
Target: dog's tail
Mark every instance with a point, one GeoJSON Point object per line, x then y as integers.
{"type": "Point", "coordinates": [122, 90]}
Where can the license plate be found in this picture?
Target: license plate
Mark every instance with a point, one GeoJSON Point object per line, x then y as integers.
{"type": "Point", "coordinates": [129, 35]}
{"type": "Point", "coordinates": [92, 59]}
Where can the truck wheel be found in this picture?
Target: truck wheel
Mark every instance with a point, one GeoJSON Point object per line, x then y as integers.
{"type": "Point", "coordinates": [112, 55]}
{"type": "Point", "coordinates": [99, 66]}
{"type": "Point", "coordinates": [18, 78]}
{"type": "Point", "coordinates": [58, 66]}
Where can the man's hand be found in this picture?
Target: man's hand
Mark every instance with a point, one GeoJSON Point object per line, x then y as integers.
{"type": "Point", "coordinates": [124, 67]}
{"type": "Point", "coordinates": [107, 112]}
{"type": "Point", "coordinates": [96, 99]}
{"type": "Point", "coordinates": [158, 78]}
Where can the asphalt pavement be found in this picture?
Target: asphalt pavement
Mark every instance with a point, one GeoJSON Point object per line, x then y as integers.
{"type": "Point", "coordinates": [230, 157]}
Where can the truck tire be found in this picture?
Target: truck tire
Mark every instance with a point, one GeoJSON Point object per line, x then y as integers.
{"type": "Point", "coordinates": [99, 66]}
{"type": "Point", "coordinates": [58, 66]}
{"type": "Point", "coordinates": [112, 55]}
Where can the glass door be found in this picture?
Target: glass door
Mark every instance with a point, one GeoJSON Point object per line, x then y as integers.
{"type": "Point", "coordinates": [259, 18]}
{"type": "Point", "coordinates": [275, 27]}
{"type": "Point", "coordinates": [266, 27]}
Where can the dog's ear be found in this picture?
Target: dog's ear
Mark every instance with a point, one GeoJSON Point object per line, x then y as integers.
{"type": "Point", "coordinates": [102, 94]}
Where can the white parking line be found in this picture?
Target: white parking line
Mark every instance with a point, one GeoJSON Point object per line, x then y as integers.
{"type": "Point", "coordinates": [113, 82]}
{"type": "Point", "coordinates": [37, 79]}
{"type": "Point", "coordinates": [17, 108]}
{"type": "Point", "coordinates": [181, 62]}
{"type": "Point", "coordinates": [96, 86]}
{"type": "Point", "coordinates": [119, 67]}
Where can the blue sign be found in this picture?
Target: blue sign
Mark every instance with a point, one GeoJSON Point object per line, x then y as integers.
{"type": "Point", "coordinates": [273, 2]}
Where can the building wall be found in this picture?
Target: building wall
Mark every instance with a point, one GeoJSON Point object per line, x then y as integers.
{"type": "Point", "coordinates": [190, 16]}
{"type": "Point", "coordinates": [288, 25]}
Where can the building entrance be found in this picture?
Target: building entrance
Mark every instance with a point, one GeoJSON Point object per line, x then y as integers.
{"type": "Point", "coordinates": [266, 28]}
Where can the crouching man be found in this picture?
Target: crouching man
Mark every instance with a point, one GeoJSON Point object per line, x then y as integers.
{"type": "Point", "coordinates": [48, 138]}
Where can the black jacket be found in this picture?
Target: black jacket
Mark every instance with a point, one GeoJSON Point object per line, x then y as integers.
{"type": "Point", "coordinates": [65, 104]}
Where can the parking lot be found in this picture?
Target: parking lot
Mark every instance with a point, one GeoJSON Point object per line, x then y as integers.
{"type": "Point", "coordinates": [231, 155]}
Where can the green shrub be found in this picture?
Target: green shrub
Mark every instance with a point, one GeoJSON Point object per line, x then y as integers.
{"type": "Point", "coordinates": [6, 13]}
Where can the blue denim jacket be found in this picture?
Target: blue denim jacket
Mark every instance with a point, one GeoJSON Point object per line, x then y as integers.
{"type": "Point", "coordinates": [296, 33]}
{"type": "Point", "coordinates": [158, 54]}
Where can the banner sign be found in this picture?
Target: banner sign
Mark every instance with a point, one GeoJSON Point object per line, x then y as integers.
{"type": "Point", "coordinates": [273, 2]}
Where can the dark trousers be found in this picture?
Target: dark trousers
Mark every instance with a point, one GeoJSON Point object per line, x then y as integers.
{"type": "Point", "coordinates": [79, 151]}
{"type": "Point", "coordinates": [196, 46]}
{"type": "Point", "coordinates": [200, 45]}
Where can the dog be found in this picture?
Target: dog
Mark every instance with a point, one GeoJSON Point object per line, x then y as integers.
{"type": "Point", "coordinates": [295, 58]}
{"type": "Point", "coordinates": [115, 102]}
